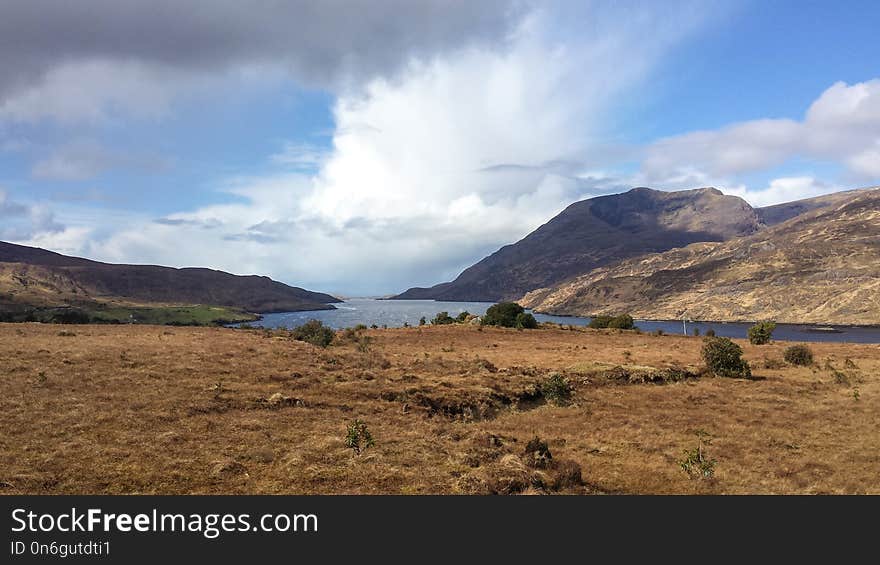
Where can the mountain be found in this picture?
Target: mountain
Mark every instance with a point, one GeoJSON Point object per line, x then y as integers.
{"type": "Point", "coordinates": [820, 266]}
{"type": "Point", "coordinates": [35, 278]}
{"type": "Point", "coordinates": [596, 232]}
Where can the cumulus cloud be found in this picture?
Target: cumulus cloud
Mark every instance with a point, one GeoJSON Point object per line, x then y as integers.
{"type": "Point", "coordinates": [842, 125]}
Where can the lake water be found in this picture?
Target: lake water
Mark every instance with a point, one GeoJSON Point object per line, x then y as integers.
{"type": "Point", "coordinates": [394, 313]}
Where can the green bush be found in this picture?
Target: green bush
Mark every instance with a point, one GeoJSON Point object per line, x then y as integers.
{"type": "Point", "coordinates": [556, 389]}
{"type": "Point", "coordinates": [710, 333]}
{"type": "Point", "coordinates": [442, 319]}
{"type": "Point", "coordinates": [695, 462]}
{"type": "Point", "coordinates": [525, 320]}
{"type": "Point", "coordinates": [760, 333]}
{"type": "Point", "coordinates": [724, 358]}
{"type": "Point", "coordinates": [314, 332]}
{"type": "Point", "coordinates": [422, 321]}
{"type": "Point", "coordinates": [600, 322]}
{"type": "Point", "coordinates": [798, 355]}
{"type": "Point", "coordinates": [461, 318]}
{"type": "Point", "coordinates": [503, 314]}
{"type": "Point", "coordinates": [358, 437]}
{"type": "Point", "coordinates": [621, 322]}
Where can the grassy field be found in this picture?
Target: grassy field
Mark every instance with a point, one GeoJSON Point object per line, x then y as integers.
{"type": "Point", "coordinates": [451, 409]}
{"type": "Point", "coordinates": [174, 315]}
{"type": "Point", "coordinates": [196, 315]}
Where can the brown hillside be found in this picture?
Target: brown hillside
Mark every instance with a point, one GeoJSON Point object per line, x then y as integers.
{"type": "Point", "coordinates": [820, 267]}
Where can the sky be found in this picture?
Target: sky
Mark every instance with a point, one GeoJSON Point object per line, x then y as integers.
{"type": "Point", "coordinates": [362, 147]}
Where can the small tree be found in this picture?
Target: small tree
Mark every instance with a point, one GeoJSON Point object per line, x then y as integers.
{"type": "Point", "coordinates": [600, 322]}
{"type": "Point", "coordinates": [422, 321]}
{"type": "Point", "coordinates": [442, 319]}
{"type": "Point", "coordinates": [314, 332]}
{"type": "Point", "coordinates": [724, 358]}
{"type": "Point", "coordinates": [502, 314]}
{"type": "Point", "coordinates": [760, 333]}
{"type": "Point", "coordinates": [798, 355]}
{"type": "Point", "coordinates": [461, 318]}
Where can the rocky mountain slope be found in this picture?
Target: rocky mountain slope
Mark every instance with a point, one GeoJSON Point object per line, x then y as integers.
{"type": "Point", "coordinates": [32, 277]}
{"type": "Point", "coordinates": [821, 266]}
{"type": "Point", "coordinates": [596, 232]}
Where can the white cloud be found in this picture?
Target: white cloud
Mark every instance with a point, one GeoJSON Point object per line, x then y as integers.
{"type": "Point", "coordinates": [300, 156]}
{"type": "Point", "coordinates": [842, 125]}
{"type": "Point", "coordinates": [784, 189]}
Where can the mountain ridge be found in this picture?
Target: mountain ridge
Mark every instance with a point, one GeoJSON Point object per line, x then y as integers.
{"type": "Point", "coordinates": [595, 232]}
{"type": "Point", "coordinates": [31, 277]}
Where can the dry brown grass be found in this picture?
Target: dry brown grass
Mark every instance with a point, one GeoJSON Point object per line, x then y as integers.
{"type": "Point", "coordinates": [147, 409]}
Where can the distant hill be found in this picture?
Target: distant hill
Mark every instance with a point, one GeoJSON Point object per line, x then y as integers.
{"type": "Point", "coordinates": [35, 278]}
{"type": "Point", "coordinates": [596, 232]}
{"type": "Point", "coordinates": [818, 264]}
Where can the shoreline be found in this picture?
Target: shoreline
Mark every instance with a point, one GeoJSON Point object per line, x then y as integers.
{"type": "Point", "coordinates": [811, 325]}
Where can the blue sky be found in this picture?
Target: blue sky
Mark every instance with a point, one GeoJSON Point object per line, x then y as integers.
{"type": "Point", "coordinates": [390, 144]}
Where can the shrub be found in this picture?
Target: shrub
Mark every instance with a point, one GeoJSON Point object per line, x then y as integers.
{"type": "Point", "coordinates": [525, 320]}
{"type": "Point", "coordinates": [798, 355]}
{"type": "Point", "coordinates": [567, 474]}
{"type": "Point", "coordinates": [696, 332]}
{"type": "Point", "coordinates": [760, 333]}
{"type": "Point", "coordinates": [314, 332]}
{"type": "Point", "coordinates": [461, 318]}
{"type": "Point", "coordinates": [695, 463]}
{"type": "Point", "coordinates": [710, 333]}
{"type": "Point", "coordinates": [358, 437]}
{"type": "Point", "coordinates": [443, 318]}
{"type": "Point", "coordinates": [364, 344]}
{"type": "Point", "coordinates": [502, 314]}
{"type": "Point", "coordinates": [556, 389]}
{"type": "Point", "coordinates": [537, 453]}
{"type": "Point", "coordinates": [599, 322]}
{"type": "Point", "coordinates": [622, 322]}
{"type": "Point", "coordinates": [724, 358]}
{"type": "Point", "coordinates": [422, 321]}
{"type": "Point", "coordinates": [71, 316]}
{"type": "Point", "coordinates": [360, 327]}
{"type": "Point", "coordinates": [349, 334]}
